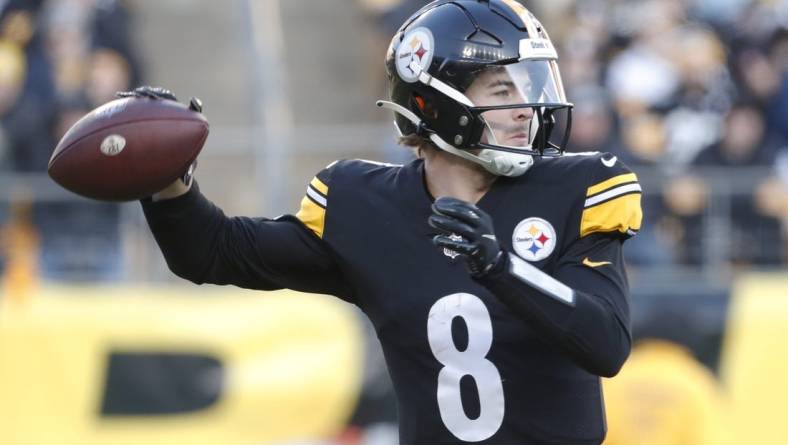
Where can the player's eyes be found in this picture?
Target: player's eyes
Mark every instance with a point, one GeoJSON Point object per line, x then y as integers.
{"type": "Point", "coordinates": [501, 93]}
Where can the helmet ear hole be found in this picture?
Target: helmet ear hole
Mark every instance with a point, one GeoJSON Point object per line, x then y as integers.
{"type": "Point", "coordinates": [425, 107]}
{"type": "Point", "coordinates": [419, 102]}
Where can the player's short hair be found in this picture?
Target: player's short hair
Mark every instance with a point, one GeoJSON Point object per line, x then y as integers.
{"type": "Point", "coordinates": [417, 143]}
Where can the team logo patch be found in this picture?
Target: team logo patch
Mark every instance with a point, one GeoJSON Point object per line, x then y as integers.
{"type": "Point", "coordinates": [534, 239]}
{"type": "Point", "coordinates": [418, 46]}
{"type": "Point", "coordinates": [448, 252]}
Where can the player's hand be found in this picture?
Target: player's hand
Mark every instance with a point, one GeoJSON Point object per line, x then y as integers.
{"type": "Point", "coordinates": [158, 93]}
{"type": "Point", "coordinates": [452, 216]}
{"type": "Point", "coordinates": [184, 183]}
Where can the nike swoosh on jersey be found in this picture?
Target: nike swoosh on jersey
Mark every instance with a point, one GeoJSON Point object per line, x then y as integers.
{"type": "Point", "coordinates": [610, 162]}
{"type": "Point", "coordinates": [590, 263]}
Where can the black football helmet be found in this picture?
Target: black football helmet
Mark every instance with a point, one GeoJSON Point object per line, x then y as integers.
{"type": "Point", "coordinates": [479, 75]}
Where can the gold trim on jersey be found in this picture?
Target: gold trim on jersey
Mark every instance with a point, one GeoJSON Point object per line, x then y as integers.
{"type": "Point", "coordinates": [610, 183]}
{"type": "Point", "coordinates": [313, 207]}
{"type": "Point", "coordinates": [319, 186]}
{"type": "Point", "coordinates": [621, 214]}
{"type": "Point", "coordinates": [612, 205]}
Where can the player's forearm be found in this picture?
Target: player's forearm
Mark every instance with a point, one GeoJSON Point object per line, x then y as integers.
{"type": "Point", "coordinates": [584, 326]}
{"type": "Point", "coordinates": [194, 236]}
{"type": "Point", "coordinates": [185, 227]}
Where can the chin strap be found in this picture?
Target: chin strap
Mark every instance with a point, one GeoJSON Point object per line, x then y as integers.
{"type": "Point", "coordinates": [495, 162]}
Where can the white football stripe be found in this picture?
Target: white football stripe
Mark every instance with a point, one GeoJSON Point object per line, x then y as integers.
{"type": "Point", "coordinates": [534, 277]}
{"type": "Point", "coordinates": [612, 193]}
{"type": "Point", "coordinates": [317, 197]}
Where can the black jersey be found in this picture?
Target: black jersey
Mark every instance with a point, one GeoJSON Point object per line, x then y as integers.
{"type": "Point", "coordinates": [469, 362]}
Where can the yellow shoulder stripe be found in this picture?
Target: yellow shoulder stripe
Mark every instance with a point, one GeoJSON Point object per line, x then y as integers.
{"type": "Point", "coordinates": [622, 214]}
{"type": "Point", "coordinates": [319, 186]}
{"type": "Point", "coordinates": [312, 215]}
{"type": "Point", "coordinates": [612, 182]}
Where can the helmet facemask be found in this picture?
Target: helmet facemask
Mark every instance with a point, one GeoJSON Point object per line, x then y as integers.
{"type": "Point", "coordinates": [518, 105]}
{"type": "Point", "coordinates": [507, 114]}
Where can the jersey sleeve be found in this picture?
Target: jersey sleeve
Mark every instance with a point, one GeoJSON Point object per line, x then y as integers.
{"type": "Point", "coordinates": [582, 310]}
{"type": "Point", "coordinates": [315, 202]}
{"type": "Point", "coordinates": [612, 200]}
{"type": "Point", "coordinates": [203, 245]}
{"type": "Point", "coordinates": [582, 307]}
{"type": "Point", "coordinates": [594, 265]}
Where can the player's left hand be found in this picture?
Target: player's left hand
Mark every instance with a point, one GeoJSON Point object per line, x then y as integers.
{"type": "Point", "coordinates": [452, 216]}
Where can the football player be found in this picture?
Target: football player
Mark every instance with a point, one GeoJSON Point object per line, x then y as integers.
{"type": "Point", "coordinates": [491, 267]}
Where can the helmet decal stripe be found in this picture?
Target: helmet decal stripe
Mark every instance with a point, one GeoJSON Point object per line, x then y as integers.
{"type": "Point", "coordinates": [524, 15]}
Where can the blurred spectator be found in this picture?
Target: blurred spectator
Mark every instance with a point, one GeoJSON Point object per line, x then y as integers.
{"type": "Point", "coordinates": [693, 122]}
{"type": "Point", "coordinates": [108, 73]}
{"type": "Point", "coordinates": [754, 234]}
{"type": "Point", "coordinates": [25, 120]}
{"type": "Point", "coordinates": [60, 59]}
{"type": "Point", "coordinates": [745, 141]}
{"type": "Point", "coordinates": [777, 109]}
{"type": "Point", "coordinates": [686, 199]}
{"type": "Point", "coordinates": [640, 77]}
{"type": "Point", "coordinates": [18, 250]}
{"type": "Point", "coordinates": [664, 395]}
{"type": "Point", "coordinates": [644, 137]}
{"type": "Point", "coordinates": [593, 121]}
{"type": "Point", "coordinates": [12, 73]}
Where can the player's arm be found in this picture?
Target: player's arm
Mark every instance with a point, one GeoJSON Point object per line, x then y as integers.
{"type": "Point", "coordinates": [201, 244]}
{"type": "Point", "coordinates": [582, 309]}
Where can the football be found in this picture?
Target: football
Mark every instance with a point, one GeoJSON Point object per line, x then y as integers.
{"type": "Point", "coordinates": [128, 149]}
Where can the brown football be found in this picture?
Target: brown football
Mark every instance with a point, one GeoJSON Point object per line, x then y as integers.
{"type": "Point", "coordinates": [128, 149]}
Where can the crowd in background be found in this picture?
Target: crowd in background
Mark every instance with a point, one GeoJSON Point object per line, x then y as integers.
{"type": "Point", "coordinates": [58, 60]}
{"type": "Point", "coordinates": [696, 92]}
{"type": "Point", "coordinates": [693, 95]}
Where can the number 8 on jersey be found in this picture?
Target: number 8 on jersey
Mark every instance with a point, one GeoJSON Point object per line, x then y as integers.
{"type": "Point", "coordinates": [471, 362]}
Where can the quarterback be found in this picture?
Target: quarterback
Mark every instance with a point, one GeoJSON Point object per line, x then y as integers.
{"type": "Point", "coordinates": [491, 266]}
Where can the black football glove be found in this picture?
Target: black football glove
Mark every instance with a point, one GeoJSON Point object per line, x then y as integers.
{"type": "Point", "coordinates": [478, 244]}
{"type": "Point", "coordinates": [158, 93]}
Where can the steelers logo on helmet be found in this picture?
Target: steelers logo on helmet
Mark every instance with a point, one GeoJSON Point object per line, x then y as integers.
{"type": "Point", "coordinates": [416, 47]}
{"type": "Point", "coordinates": [534, 239]}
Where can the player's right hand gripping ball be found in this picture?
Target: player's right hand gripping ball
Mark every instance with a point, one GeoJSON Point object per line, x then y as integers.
{"type": "Point", "coordinates": [467, 230]}
{"type": "Point", "coordinates": [130, 148]}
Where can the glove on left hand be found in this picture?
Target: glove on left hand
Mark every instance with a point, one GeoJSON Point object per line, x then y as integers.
{"type": "Point", "coordinates": [452, 216]}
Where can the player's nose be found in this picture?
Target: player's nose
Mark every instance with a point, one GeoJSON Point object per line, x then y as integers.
{"type": "Point", "coordinates": [522, 114]}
